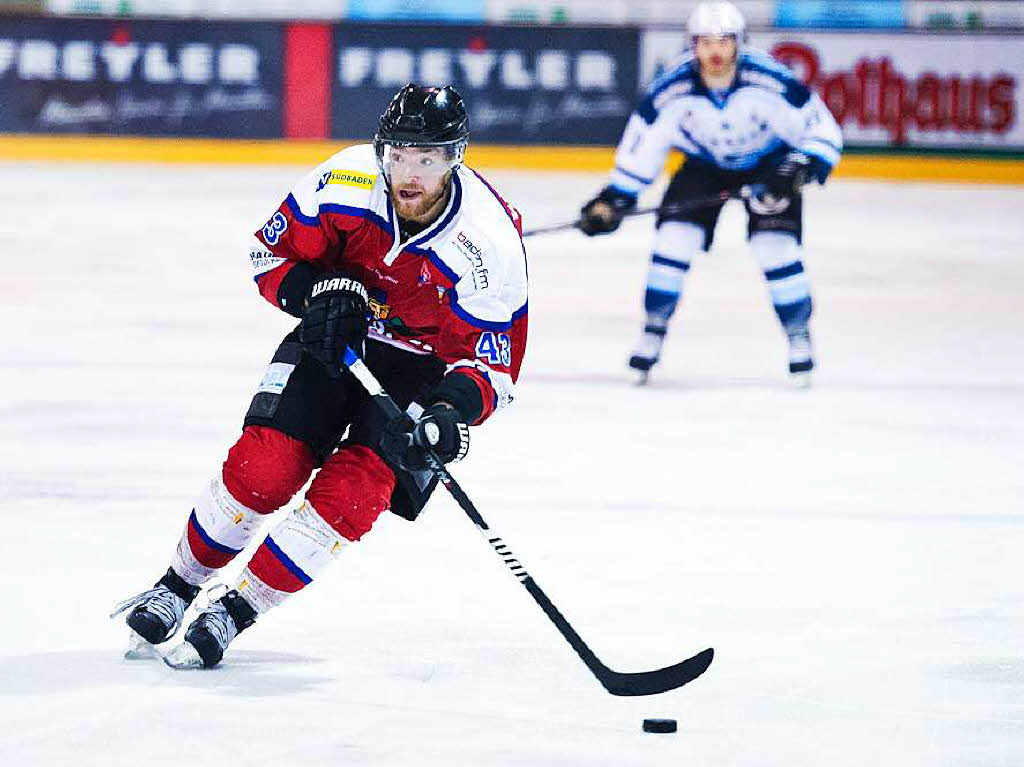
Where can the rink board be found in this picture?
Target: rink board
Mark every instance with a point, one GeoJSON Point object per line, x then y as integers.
{"type": "Point", "coordinates": [909, 167]}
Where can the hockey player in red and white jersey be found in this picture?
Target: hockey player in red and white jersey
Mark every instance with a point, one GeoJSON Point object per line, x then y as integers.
{"type": "Point", "coordinates": [399, 251]}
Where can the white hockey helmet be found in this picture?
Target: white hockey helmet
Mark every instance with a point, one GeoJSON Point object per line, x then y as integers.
{"type": "Point", "coordinates": [715, 18]}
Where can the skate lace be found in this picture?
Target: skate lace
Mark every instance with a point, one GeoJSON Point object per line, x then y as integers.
{"type": "Point", "coordinates": [161, 601]}
{"type": "Point", "coordinates": [215, 618]}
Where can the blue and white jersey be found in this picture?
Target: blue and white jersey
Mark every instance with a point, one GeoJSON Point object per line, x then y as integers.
{"type": "Point", "coordinates": [766, 110]}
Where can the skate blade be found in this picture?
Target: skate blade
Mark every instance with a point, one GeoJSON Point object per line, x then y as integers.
{"type": "Point", "coordinates": [801, 380]}
{"type": "Point", "coordinates": [183, 656]}
{"type": "Point", "coordinates": [139, 648]}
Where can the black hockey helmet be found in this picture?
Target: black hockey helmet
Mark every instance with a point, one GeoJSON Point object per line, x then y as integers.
{"type": "Point", "coordinates": [424, 116]}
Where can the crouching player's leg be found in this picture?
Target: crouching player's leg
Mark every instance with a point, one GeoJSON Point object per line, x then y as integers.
{"type": "Point", "coordinates": [353, 488]}
{"type": "Point", "coordinates": [682, 232]}
{"type": "Point", "coordinates": [344, 500]}
{"type": "Point", "coordinates": [675, 245]}
{"type": "Point", "coordinates": [775, 236]}
{"type": "Point", "coordinates": [294, 420]}
{"type": "Point", "coordinates": [263, 471]}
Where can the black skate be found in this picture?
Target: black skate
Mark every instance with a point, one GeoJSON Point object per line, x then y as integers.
{"type": "Point", "coordinates": [158, 612]}
{"type": "Point", "coordinates": [646, 353]}
{"type": "Point", "coordinates": [209, 635]}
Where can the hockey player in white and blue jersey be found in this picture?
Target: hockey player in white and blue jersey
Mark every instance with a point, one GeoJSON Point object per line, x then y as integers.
{"type": "Point", "coordinates": [741, 118]}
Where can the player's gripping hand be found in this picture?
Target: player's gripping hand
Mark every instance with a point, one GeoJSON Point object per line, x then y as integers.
{"type": "Point", "coordinates": [440, 428]}
{"type": "Point", "coordinates": [334, 316]}
{"type": "Point", "coordinates": [793, 171]}
{"type": "Point", "coordinates": [604, 213]}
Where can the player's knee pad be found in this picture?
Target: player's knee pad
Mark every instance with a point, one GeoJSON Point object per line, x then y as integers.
{"type": "Point", "coordinates": [266, 467]}
{"type": "Point", "coordinates": [295, 552]}
{"type": "Point", "coordinates": [351, 490]}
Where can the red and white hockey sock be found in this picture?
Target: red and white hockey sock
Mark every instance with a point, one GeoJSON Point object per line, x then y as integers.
{"type": "Point", "coordinates": [217, 530]}
{"type": "Point", "coordinates": [296, 551]}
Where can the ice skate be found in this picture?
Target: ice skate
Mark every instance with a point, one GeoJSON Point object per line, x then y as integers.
{"type": "Point", "coordinates": [157, 615]}
{"type": "Point", "coordinates": [209, 635]}
{"type": "Point", "coordinates": [801, 359]}
{"type": "Point", "coordinates": [645, 354]}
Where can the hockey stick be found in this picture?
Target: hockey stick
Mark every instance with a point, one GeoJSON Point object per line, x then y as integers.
{"type": "Point", "coordinates": [745, 192]}
{"type": "Point", "coordinates": [615, 682]}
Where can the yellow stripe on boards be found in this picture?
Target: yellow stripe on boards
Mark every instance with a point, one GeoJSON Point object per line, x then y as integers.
{"type": "Point", "coordinates": [925, 167]}
{"type": "Point", "coordinates": [168, 150]}
{"type": "Point", "coordinates": [995, 170]}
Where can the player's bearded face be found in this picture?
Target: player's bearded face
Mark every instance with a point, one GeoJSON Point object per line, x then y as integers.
{"type": "Point", "coordinates": [418, 178]}
{"type": "Point", "coordinates": [716, 54]}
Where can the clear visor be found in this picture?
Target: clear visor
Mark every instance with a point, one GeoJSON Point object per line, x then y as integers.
{"type": "Point", "coordinates": [710, 39]}
{"type": "Point", "coordinates": [411, 164]}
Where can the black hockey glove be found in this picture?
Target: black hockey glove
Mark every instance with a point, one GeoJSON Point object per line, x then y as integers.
{"type": "Point", "coordinates": [604, 213]}
{"type": "Point", "coordinates": [334, 316]}
{"type": "Point", "coordinates": [794, 171]}
{"type": "Point", "coordinates": [440, 428]}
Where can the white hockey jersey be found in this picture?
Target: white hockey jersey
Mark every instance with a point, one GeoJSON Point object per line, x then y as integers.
{"type": "Point", "coordinates": [764, 112]}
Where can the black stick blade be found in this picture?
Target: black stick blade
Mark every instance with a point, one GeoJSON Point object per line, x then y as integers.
{"type": "Point", "coordinates": [655, 682]}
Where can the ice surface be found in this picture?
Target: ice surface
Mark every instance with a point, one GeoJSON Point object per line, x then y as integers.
{"type": "Point", "coordinates": [852, 552]}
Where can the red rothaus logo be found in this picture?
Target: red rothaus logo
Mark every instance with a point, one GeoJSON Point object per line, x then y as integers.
{"type": "Point", "coordinates": [874, 93]}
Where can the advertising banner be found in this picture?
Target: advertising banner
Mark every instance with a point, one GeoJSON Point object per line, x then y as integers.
{"type": "Point", "coordinates": [521, 85]}
{"type": "Point", "coordinates": [833, 14]}
{"type": "Point", "coordinates": [422, 10]}
{"type": "Point", "coordinates": [140, 77]}
{"type": "Point", "coordinates": [897, 90]}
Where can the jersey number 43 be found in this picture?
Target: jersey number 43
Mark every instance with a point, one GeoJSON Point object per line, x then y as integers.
{"type": "Point", "coordinates": [495, 348]}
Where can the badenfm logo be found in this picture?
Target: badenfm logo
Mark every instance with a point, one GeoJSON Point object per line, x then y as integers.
{"type": "Point", "coordinates": [475, 255]}
{"type": "Point", "coordinates": [468, 244]}
{"type": "Point", "coordinates": [155, 63]}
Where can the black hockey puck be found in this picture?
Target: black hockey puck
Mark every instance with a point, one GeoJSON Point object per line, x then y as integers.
{"type": "Point", "coordinates": [660, 725]}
